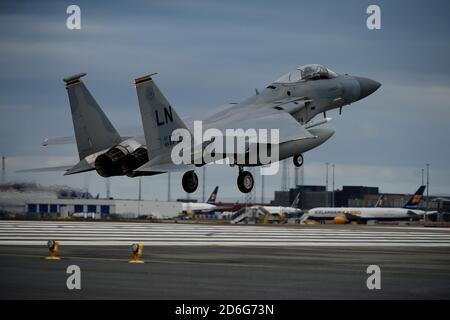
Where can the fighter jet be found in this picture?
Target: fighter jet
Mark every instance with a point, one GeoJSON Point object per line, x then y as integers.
{"type": "Point", "coordinates": [287, 105]}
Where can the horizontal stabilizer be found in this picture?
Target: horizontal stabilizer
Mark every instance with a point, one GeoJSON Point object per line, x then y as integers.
{"type": "Point", "coordinates": [47, 169]}
{"type": "Point", "coordinates": [58, 140]}
{"type": "Point", "coordinates": [124, 134]}
{"type": "Point", "coordinates": [81, 166]}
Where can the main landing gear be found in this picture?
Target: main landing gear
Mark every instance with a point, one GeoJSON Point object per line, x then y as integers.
{"type": "Point", "coordinates": [298, 160]}
{"type": "Point", "coordinates": [190, 181]}
{"type": "Point", "coordinates": [245, 181]}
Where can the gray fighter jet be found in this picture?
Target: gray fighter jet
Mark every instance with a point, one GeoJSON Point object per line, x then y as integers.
{"type": "Point", "coordinates": [288, 105]}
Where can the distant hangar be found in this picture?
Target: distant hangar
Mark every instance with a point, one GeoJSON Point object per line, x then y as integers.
{"type": "Point", "coordinates": [101, 208]}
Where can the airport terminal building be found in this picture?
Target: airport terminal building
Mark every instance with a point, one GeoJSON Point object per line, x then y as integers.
{"type": "Point", "coordinates": [101, 208]}
{"type": "Point", "coordinates": [32, 201]}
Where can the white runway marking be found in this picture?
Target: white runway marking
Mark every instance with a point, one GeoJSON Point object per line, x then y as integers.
{"type": "Point", "coordinates": [160, 234]}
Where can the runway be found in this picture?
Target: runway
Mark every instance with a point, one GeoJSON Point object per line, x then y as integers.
{"type": "Point", "coordinates": [219, 272]}
{"type": "Point", "coordinates": [193, 261]}
{"type": "Point", "coordinates": [168, 234]}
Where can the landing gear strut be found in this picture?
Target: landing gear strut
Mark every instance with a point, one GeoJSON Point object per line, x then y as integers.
{"type": "Point", "coordinates": [245, 181]}
{"type": "Point", "coordinates": [298, 160]}
{"type": "Point", "coordinates": [190, 181]}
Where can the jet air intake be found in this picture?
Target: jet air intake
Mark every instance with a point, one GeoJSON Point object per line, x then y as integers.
{"type": "Point", "coordinates": [121, 159]}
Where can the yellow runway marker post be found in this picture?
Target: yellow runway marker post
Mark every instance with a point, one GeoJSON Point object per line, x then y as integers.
{"type": "Point", "coordinates": [136, 252]}
{"type": "Point", "coordinates": [53, 246]}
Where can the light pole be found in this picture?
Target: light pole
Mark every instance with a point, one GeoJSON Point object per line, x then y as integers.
{"type": "Point", "coordinates": [3, 169]}
{"type": "Point", "coordinates": [140, 189]}
{"type": "Point", "coordinates": [204, 179]}
{"type": "Point", "coordinates": [333, 186]}
{"type": "Point", "coordinates": [108, 188]}
{"type": "Point", "coordinates": [262, 189]}
{"type": "Point", "coordinates": [168, 187]}
{"type": "Point", "coordinates": [140, 196]}
{"type": "Point", "coordinates": [326, 185]}
{"type": "Point", "coordinates": [428, 190]}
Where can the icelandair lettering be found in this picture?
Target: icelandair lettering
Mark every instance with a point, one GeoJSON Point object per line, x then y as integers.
{"type": "Point", "coordinates": [353, 212]}
{"type": "Point", "coordinates": [339, 211]}
{"type": "Point", "coordinates": [192, 310]}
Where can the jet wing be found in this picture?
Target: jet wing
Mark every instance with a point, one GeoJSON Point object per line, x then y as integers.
{"type": "Point", "coordinates": [162, 163]}
{"type": "Point", "coordinates": [246, 115]}
{"type": "Point", "coordinates": [352, 215]}
{"type": "Point", "coordinates": [289, 128]}
{"type": "Point", "coordinates": [261, 116]}
{"type": "Point", "coordinates": [166, 167]}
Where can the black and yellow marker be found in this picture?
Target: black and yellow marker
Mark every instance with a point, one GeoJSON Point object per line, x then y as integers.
{"type": "Point", "coordinates": [136, 253]}
{"type": "Point", "coordinates": [53, 246]}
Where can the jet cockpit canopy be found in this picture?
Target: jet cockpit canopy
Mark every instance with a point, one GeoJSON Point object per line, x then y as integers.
{"type": "Point", "coordinates": [307, 72]}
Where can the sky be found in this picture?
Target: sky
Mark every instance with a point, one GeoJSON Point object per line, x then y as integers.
{"type": "Point", "coordinates": [208, 53]}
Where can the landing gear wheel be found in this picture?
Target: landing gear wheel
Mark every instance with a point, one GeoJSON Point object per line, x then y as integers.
{"type": "Point", "coordinates": [245, 182]}
{"type": "Point", "coordinates": [190, 181]}
{"type": "Point", "coordinates": [298, 160]}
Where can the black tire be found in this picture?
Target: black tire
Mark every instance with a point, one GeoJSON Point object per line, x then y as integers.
{"type": "Point", "coordinates": [190, 181]}
{"type": "Point", "coordinates": [245, 182]}
{"type": "Point", "coordinates": [298, 160]}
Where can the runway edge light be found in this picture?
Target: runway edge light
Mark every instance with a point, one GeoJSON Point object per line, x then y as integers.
{"type": "Point", "coordinates": [136, 253]}
{"type": "Point", "coordinates": [53, 246]}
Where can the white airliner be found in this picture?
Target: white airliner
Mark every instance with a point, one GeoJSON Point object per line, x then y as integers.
{"type": "Point", "coordinates": [285, 210]}
{"type": "Point", "coordinates": [196, 207]}
{"type": "Point", "coordinates": [363, 215]}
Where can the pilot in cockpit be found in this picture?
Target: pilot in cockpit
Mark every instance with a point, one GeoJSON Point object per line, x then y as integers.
{"type": "Point", "coordinates": [308, 72]}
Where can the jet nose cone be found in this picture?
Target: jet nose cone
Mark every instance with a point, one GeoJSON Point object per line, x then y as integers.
{"type": "Point", "coordinates": [367, 86]}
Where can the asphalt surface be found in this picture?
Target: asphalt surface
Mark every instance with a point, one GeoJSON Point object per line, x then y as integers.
{"type": "Point", "coordinates": [226, 272]}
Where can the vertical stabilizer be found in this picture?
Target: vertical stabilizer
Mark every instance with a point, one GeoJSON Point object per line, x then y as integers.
{"type": "Point", "coordinates": [159, 119]}
{"type": "Point", "coordinates": [212, 198]}
{"type": "Point", "coordinates": [413, 202]}
{"type": "Point", "coordinates": [93, 130]}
